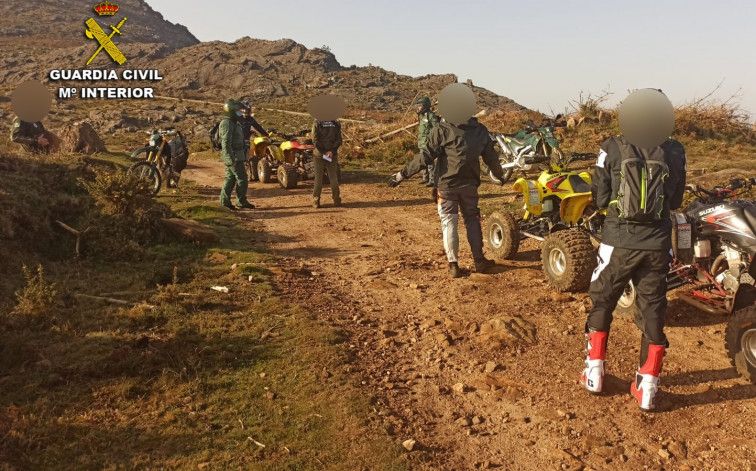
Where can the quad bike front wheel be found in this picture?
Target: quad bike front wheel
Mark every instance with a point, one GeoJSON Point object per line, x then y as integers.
{"type": "Point", "coordinates": [264, 171]}
{"type": "Point", "coordinates": [503, 235]}
{"type": "Point", "coordinates": [568, 260]}
{"type": "Point", "coordinates": [252, 168]}
{"type": "Point", "coordinates": [740, 342]}
{"type": "Point", "coordinates": [149, 173]}
{"type": "Point", "coordinates": [287, 176]}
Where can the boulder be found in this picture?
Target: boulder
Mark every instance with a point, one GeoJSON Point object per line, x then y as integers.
{"type": "Point", "coordinates": [190, 230]}
{"type": "Point", "coordinates": [81, 137]}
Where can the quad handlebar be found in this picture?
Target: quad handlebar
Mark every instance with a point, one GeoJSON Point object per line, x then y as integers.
{"type": "Point", "coordinates": [721, 192]}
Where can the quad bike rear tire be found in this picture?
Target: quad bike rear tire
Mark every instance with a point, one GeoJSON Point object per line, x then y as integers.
{"type": "Point", "coordinates": [252, 168]}
{"type": "Point", "coordinates": [287, 176]}
{"type": "Point", "coordinates": [568, 260]}
{"type": "Point", "coordinates": [503, 235]}
{"type": "Point", "coordinates": [740, 342]}
{"type": "Point", "coordinates": [264, 171]}
{"type": "Point", "coordinates": [146, 171]}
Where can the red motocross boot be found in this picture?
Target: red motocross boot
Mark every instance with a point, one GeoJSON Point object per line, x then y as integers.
{"type": "Point", "coordinates": [646, 382]}
{"type": "Point", "coordinates": [593, 374]}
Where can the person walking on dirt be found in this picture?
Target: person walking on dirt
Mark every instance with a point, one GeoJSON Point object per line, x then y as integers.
{"type": "Point", "coordinates": [639, 178]}
{"type": "Point", "coordinates": [455, 146]}
{"type": "Point", "coordinates": [249, 123]}
{"type": "Point", "coordinates": [33, 136]}
{"type": "Point", "coordinates": [427, 120]}
{"type": "Point", "coordinates": [326, 137]}
{"type": "Point", "coordinates": [232, 154]}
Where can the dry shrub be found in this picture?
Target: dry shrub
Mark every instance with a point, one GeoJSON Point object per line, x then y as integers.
{"type": "Point", "coordinates": [127, 217]}
{"type": "Point", "coordinates": [714, 119]}
{"type": "Point", "coordinates": [169, 293]}
{"type": "Point", "coordinates": [38, 298]}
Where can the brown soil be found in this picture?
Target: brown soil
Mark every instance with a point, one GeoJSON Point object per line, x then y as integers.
{"type": "Point", "coordinates": [483, 371]}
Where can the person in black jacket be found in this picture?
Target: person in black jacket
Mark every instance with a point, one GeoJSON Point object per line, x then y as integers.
{"type": "Point", "coordinates": [456, 150]}
{"type": "Point", "coordinates": [326, 137]}
{"type": "Point", "coordinates": [638, 186]}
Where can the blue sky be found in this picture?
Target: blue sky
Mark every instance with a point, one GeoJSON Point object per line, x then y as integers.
{"type": "Point", "coordinates": [541, 54]}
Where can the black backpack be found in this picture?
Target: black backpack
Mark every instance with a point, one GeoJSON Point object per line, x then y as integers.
{"type": "Point", "coordinates": [215, 137]}
{"type": "Point", "coordinates": [640, 198]}
{"type": "Point", "coordinates": [179, 153]}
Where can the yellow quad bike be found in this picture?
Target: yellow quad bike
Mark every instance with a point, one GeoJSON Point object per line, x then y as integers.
{"type": "Point", "coordinates": [560, 214]}
{"type": "Point", "coordinates": [276, 155]}
{"type": "Point", "coordinates": [285, 157]}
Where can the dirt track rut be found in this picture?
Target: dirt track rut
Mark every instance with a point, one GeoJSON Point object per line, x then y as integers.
{"type": "Point", "coordinates": [482, 371]}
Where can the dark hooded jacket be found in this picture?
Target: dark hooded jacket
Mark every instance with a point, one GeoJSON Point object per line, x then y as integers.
{"type": "Point", "coordinates": [456, 152]}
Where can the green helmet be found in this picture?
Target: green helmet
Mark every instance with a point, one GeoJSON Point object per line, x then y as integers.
{"type": "Point", "coordinates": [423, 101]}
{"type": "Point", "coordinates": [231, 107]}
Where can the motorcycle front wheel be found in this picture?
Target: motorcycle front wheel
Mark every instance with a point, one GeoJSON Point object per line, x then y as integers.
{"type": "Point", "coordinates": [148, 172]}
{"type": "Point", "coordinates": [504, 158]}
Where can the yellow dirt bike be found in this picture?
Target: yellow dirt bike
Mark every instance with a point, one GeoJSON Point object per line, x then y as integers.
{"type": "Point", "coordinates": [166, 156]}
{"type": "Point", "coordinates": [559, 213]}
{"type": "Point", "coordinates": [283, 156]}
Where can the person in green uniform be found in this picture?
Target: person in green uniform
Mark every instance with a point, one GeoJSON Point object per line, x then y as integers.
{"type": "Point", "coordinates": [427, 120]}
{"type": "Point", "coordinates": [233, 156]}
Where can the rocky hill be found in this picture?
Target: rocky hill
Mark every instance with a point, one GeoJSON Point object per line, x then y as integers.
{"type": "Point", "coordinates": [282, 74]}
{"type": "Point", "coordinates": [62, 22]}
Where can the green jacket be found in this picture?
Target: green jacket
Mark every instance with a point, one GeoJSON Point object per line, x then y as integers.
{"type": "Point", "coordinates": [427, 121]}
{"type": "Point", "coordinates": [232, 141]}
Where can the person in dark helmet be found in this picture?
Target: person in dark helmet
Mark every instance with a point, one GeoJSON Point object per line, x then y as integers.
{"type": "Point", "coordinates": [639, 178]}
{"type": "Point", "coordinates": [455, 147]}
{"type": "Point", "coordinates": [232, 154]}
{"type": "Point", "coordinates": [427, 120]}
{"type": "Point", "coordinates": [33, 137]}
{"type": "Point", "coordinates": [248, 124]}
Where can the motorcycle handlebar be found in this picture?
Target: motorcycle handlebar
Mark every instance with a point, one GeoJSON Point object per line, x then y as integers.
{"type": "Point", "coordinates": [536, 159]}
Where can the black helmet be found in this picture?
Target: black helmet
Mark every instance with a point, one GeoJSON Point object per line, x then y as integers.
{"type": "Point", "coordinates": [231, 107]}
{"type": "Point", "coordinates": [423, 104]}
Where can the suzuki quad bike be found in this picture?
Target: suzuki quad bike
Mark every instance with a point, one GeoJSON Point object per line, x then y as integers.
{"type": "Point", "coordinates": [285, 157]}
{"type": "Point", "coordinates": [714, 242]}
{"type": "Point", "coordinates": [532, 140]}
{"type": "Point", "coordinates": [166, 157]}
{"type": "Point", "coordinates": [559, 213]}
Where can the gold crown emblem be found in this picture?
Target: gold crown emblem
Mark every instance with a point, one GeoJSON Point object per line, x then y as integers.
{"type": "Point", "coordinates": [106, 8]}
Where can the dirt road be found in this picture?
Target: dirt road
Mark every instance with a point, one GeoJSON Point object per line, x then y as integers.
{"type": "Point", "coordinates": [483, 371]}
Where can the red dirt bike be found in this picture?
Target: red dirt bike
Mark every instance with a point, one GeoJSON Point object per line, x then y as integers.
{"type": "Point", "coordinates": [714, 241]}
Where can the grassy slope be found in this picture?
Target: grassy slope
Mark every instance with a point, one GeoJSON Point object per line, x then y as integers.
{"type": "Point", "coordinates": [184, 385]}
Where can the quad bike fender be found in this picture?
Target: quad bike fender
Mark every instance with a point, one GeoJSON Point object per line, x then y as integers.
{"type": "Point", "coordinates": [586, 176]}
{"type": "Point", "coordinates": [146, 150]}
{"type": "Point", "coordinates": [277, 153]}
{"type": "Point", "coordinates": [531, 191]}
{"type": "Point", "coordinates": [572, 207]}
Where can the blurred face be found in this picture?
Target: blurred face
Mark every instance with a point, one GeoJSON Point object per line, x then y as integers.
{"type": "Point", "coordinates": [245, 112]}
{"type": "Point", "coordinates": [419, 108]}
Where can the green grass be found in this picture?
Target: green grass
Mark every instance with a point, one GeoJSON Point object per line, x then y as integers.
{"type": "Point", "coordinates": [180, 380]}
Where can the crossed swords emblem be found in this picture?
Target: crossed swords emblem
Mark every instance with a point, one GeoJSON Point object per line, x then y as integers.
{"type": "Point", "coordinates": [95, 32]}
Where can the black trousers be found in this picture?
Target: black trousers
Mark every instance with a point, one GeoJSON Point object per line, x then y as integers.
{"type": "Point", "coordinates": [648, 270]}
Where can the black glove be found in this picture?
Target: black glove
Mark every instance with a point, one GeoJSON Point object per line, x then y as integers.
{"type": "Point", "coordinates": [395, 179]}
